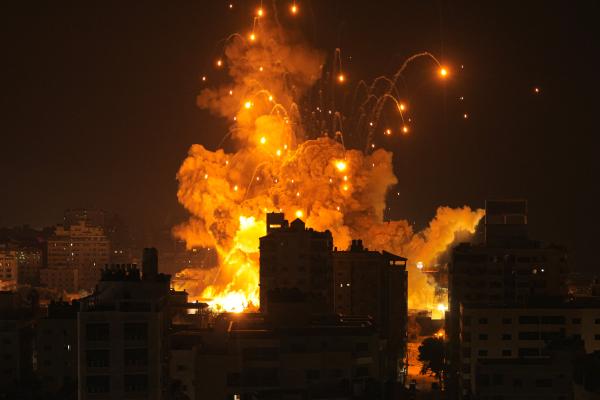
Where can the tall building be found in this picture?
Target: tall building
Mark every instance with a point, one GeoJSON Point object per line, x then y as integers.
{"type": "Point", "coordinates": [508, 345]}
{"type": "Point", "coordinates": [292, 256]}
{"type": "Point", "coordinates": [56, 349]}
{"type": "Point", "coordinates": [373, 283]}
{"type": "Point", "coordinates": [8, 269]}
{"type": "Point", "coordinates": [76, 255]}
{"type": "Point", "coordinates": [123, 332]}
{"type": "Point", "coordinates": [30, 261]}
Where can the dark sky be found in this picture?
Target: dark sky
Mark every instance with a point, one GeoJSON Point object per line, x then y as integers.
{"type": "Point", "coordinates": [98, 104]}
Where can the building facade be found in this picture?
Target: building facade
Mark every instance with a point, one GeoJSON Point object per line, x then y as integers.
{"type": "Point", "coordinates": [9, 270]}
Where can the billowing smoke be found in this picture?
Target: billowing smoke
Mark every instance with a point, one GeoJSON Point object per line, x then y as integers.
{"type": "Point", "coordinates": [275, 169]}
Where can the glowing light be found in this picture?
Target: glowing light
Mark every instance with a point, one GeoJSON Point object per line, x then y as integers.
{"type": "Point", "coordinates": [294, 9]}
{"type": "Point", "coordinates": [252, 37]}
{"type": "Point", "coordinates": [442, 307]}
{"type": "Point", "coordinates": [345, 178]}
{"type": "Point", "coordinates": [248, 105]}
{"type": "Point", "coordinates": [263, 140]}
{"type": "Point", "coordinates": [230, 6]}
{"type": "Point", "coordinates": [405, 129]}
{"type": "Point", "coordinates": [231, 92]}
{"type": "Point", "coordinates": [258, 178]}
{"type": "Point", "coordinates": [419, 264]}
{"type": "Point", "coordinates": [260, 12]}
{"type": "Point", "coordinates": [341, 78]}
{"type": "Point", "coordinates": [285, 146]}
{"type": "Point", "coordinates": [297, 194]}
{"type": "Point", "coordinates": [235, 188]}
{"type": "Point", "coordinates": [299, 214]}
{"type": "Point", "coordinates": [443, 72]}
{"type": "Point", "coordinates": [205, 176]}
{"type": "Point", "coordinates": [219, 63]}
{"type": "Point", "coordinates": [402, 106]}
{"type": "Point", "coordinates": [270, 98]}
{"type": "Point", "coordinates": [341, 165]}
{"type": "Point", "coordinates": [536, 90]}
{"type": "Point", "coordinates": [260, 69]}
{"type": "Point", "coordinates": [465, 115]}
{"type": "Point", "coordinates": [278, 152]}
{"type": "Point", "coordinates": [388, 131]}
{"type": "Point", "coordinates": [204, 79]}
{"type": "Point", "coordinates": [345, 188]}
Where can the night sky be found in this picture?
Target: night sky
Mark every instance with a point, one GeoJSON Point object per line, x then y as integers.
{"type": "Point", "coordinates": [98, 104]}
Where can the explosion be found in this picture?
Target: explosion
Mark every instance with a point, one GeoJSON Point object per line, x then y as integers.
{"type": "Point", "coordinates": [282, 163]}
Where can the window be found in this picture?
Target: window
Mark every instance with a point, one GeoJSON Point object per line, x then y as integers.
{"type": "Point", "coordinates": [466, 352]}
{"type": "Point", "coordinates": [98, 384]}
{"type": "Point", "coordinates": [576, 321]}
{"type": "Point", "coordinates": [362, 371]}
{"type": "Point", "coordinates": [466, 336]}
{"type": "Point", "coordinates": [234, 379]}
{"type": "Point", "coordinates": [528, 352]}
{"type": "Point", "coordinates": [506, 336]}
{"type": "Point", "coordinates": [517, 383]}
{"type": "Point", "coordinates": [529, 336]}
{"type": "Point", "coordinates": [543, 382]}
{"type": "Point", "coordinates": [528, 319]}
{"type": "Point", "coordinates": [362, 346]}
{"type": "Point", "coordinates": [506, 353]}
{"type": "Point", "coordinates": [98, 358]}
{"type": "Point", "coordinates": [483, 336]}
{"type": "Point", "coordinates": [136, 383]}
{"type": "Point", "coordinates": [507, 321]}
{"type": "Point", "coordinates": [312, 374]}
{"type": "Point", "coordinates": [483, 321]}
{"type": "Point", "coordinates": [135, 357]}
{"type": "Point", "coordinates": [597, 336]}
{"type": "Point", "coordinates": [482, 353]}
{"type": "Point", "coordinates": [597, 321]}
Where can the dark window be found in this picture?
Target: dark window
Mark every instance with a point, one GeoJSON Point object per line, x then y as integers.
{"type": "Point", "coordinates": [483, 320]}
{"type": "Point", "coordinates": [528, 352]}
{"type": "Point", "coordinates": [466, 352]}
{"type": "Point", "coordinates": [528, 319]}
{"type": "Point", "coordinates": [498, 379]}
{"type": "Point", "coordinates": [97, 332]}
{"type": "Point", "coordinates": [483, 336]}
{"type": "Point", "coordinates": [98, 358]}
{"type": "Point", "coordinates": [135, 331]}
{"type": "Point", "coordinates": [507, 321]}
{"type": "Point", "coordinates": [467, 321]}
{"type": "Point", "coordinates": [261, 353]}
{"type": "Point", "coordinates": [553, 319]}
{"type": "Point", "coordinates": [135, 357]}
{"type": "Point", "coordinates": [597, 336]}
{"type": "Point", "coordinates": [466, 368]}
{"type": "Point", "coordinates": [506, 336]}
{"type": "Point", "coordinates": [529, 336]}
{"type": "Point", "coordinates": [466, 336]}
{"type": "Point", "coordinates": [234, 379]}
{"type": "Point", "coordinates": [597, 321]}
{"type": "Point", "coordinates": [362, 371]}
{"type": "Point", "coordinates": [517, 383]}
{"type": "Point", "coordinates": [98, 384]}
{"type": "Point", "coordinates": [576, 321]}
{"type": "Point", "coordinates": [482, 353]}
{"type": "Point", "coordinates": [506, 353]}
{"type": "Point", "coordinates": [550, 335]}
{"type": "Point", "coordinates": [483, 380]}
{"type": "Point", "coordinates": [136, 383]}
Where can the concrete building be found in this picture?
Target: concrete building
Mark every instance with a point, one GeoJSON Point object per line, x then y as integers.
{"type": "Point", "coordinates": [328, 357]}
{"type": "Point", "coordinates": [76, 255]}
{"type": "Point", "coordinates": [9, 270]}
{"type": "Point", "coordinates": [123, 332]}
{"type": "Point", "coordinates": [513, 337]}
{"type": "Point", "coordinates": [30, 260]}
{"type": "Point", "coordinates": [56, 349]}
{"type": "Point", "coordinates": [374, 284]}
{"type": "Point", "coordinates": [292, 256]}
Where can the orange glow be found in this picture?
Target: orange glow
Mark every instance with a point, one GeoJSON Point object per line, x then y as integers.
{"type": "Point", "coordinates": [260, 12]}
{"type": "Point", "coordinates": [443, 72]}
{"type": "Point", "coordinates": [341, 78]}
{"type": "Point", "coordinates": [402, 106]}
{"type": "Point", "coordinates": [294, 9]}
{"type": "Point", "coordinates": [405, 129]}
{"type": "Point", "coordinates": [341, 165]}
{"type": "Point", "coordinates": [263, 140]}
{"type": "Point", "coordinates": [252, 37]}
{"type": "Point", "coordinates": [299, 214]}
{"type": "Point", "coordinates": [219, 63]}
{"type": "Point", "coordinates": [248, 105]}
{"type": "Point", "coordinates": [388, 131]}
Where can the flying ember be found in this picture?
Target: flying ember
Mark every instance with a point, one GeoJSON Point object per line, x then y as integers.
{"type": "Point", "coordinates": [318, 176]}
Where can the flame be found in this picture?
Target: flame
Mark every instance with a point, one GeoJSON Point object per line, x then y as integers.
{"type": "Point", "coordinates": [303, 180]}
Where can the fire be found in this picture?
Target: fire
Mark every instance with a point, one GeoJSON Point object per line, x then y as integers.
{"type": "Point", "coordinates": [319, 180]}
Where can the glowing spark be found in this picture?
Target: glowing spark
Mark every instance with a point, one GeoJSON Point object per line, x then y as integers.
{"type": "Point", "coordinates": [405, 129]}
{"type": "Point", "coordinates": [299, 214]}
{"type": "Point", "coordinates": [258, 178]}
{"type": "Point", "coordinates": [263, 140]}
{"type": "Point", "coordinates": [345, 178]}
{"type": "Point", "coordinates": [419, 264]}
{"type": "Point", "coordinates": [297, 194]}
{"type": "Point", "coordinates": [370, 124]}
{"type": "Point", "coordinates": [226, 162]}
{"type": "Point", "coordinates": [341, 165]}
{"type": "Point", "coordinates": [248, 105]}
{"type": "Point", "coordinates": [204, 79]}
{"type": "Point", "coordinates": [338, 208]}
{"type": "Point", "coordinates": [231, 92]}
{"type": "Point", "coordinates": [260, 12]}
{"type": "Point", "coordinates": [388, 131]}
{"type": "Point", "coordinates": [443, 72]}
{"type": "Point", "coordinates": [465, 115]}
{"type": "Point", "coordinates": [442, 307]}
{"type": "Point", "coordinates": [278, 152]}
{"type": "Point", "coordinates": [271, 98]}
{"type": "Point", "coordinates": [372, 145]}
{"type": "Point", "coordinates": [260, 69]}
{"type": "Point", "coordinates": [341, 78]}
{"type": "Point", "coordinates": [230, 6]}
{"type": "Point", "coordinates": [205, 176]}
{"type": "Point", "coordinates": [402, 106]}
{"type": "Point", "coordinates": [219, 63]}
{"type": "Point", "coordinates": [536, 90]}
{"type": "Point", "coordinates": [252, 37]}
{"type": "Point", "coordinates": [235, 188]}
{"type": "Point", "coordinates": [294, 9]}
{"type": "Point", "coordinates": [345, 187]}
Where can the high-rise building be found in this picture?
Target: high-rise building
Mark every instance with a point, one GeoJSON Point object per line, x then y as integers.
{"type": "Point", "coordinates": [373, 283]}
{"type": "Point", "coordinates": [122, 330]}
{"type": "Point", "coordinates": [8, 269]}
{"type": "Point", "coordinates": [30, 261]}
{"type": "Point", "coordinates": [292, 256]}
{"type": "Point", "coordinates": [76, 255]}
